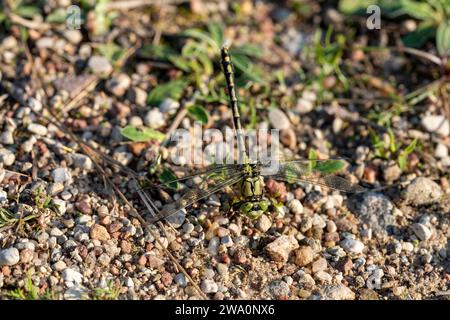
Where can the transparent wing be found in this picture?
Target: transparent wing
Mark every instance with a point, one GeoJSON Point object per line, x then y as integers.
{"type": "Point", "coordinates": [206, 184]}
{"type": "Point", "coordinates": [329, 173]}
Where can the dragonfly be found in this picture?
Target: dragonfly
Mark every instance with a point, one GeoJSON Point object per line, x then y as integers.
{"type": "Point", "coordinates": [249, 176]}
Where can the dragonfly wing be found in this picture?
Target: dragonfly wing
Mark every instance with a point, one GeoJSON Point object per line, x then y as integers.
{"type": "Point", "coordinates": [329, 173]}
{"type": "Point", "coordinates": [211, 182]}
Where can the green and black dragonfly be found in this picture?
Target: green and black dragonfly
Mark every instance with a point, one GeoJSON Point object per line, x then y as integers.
{"type": "Point", "coordinates": [249, 176]}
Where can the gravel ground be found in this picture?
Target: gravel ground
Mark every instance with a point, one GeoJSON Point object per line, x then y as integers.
{"type": "Point", "coordinates": [63, 235]}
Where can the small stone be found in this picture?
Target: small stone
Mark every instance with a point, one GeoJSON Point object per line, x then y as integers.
{"type": "Point", "coordinates": [6, 157]}
{"type": "Point", "coordinates": [82, 161]}
{"type": "Point", "coordinates": [177, 219]}
{"type": "Point", "coordinates": [61, 175]}
{"type": "Point", "coordinates": [392, 172]}
{"type": "Point", "coordinates": [55, 188]}
{"type": "Point", "coordinates": [180, 279]}
{"type": "Point", "coordinates": [295, 206]}
{"type": "Point", "coordinates": [70, 275]}
{"type": "Point", "coordinates": [337, 292]}
{"type": "Point", "coordinates": [345, 265]}
{"type": "Point", "coordinates": [118, 84]}
{"type": "Point", "coordinates": [303, 256]}
{"type": "Point", "coordinates": [279, 289]}
{"type": "Point", "coordinates": [37, 129]}
{"type": "Point", "coordinates": [9, 256]}
{"type": "Point", "coordinates": [421, 231]}
{"type": "Point", "coordinates": [441, 151]}
{"type": "Point", "coordinates": [84, 207]}
{"type": "Point", "coordinates": [323, 276]}
{"type": "Point", "coordinates": [304, 106]}
{"type": "Point", "coordinates": [137, 96]}
{"type": "Point", "coordinates": [169, 106]}
{"type": "Point", "coordinates": [100, 65]}
{"type": "Point", "coordinates": [154, 119]}
{"type": "Point", "coordinates": [99, 232]}
{"type": "Point", "coordinates": [288, 138]}
{"type": "Point", "coordinates": [319, 265]}
{"type": "Point", "coordinates": [278, 119]}
{"type": "Point", "coordinates": [407, 246]}
{"type": "Point", "coordinates": [188, 228]}
{"type": "Point", "coordinates": [352, 246]}
{"type": "Point", "coordinates": [104, 260]}
{"type": "Point", "coordinates": [213, 246]}
{"type": "Point", "coordinates": [436, 124]}
{"type": "Point", "coordinates": [422, 191]}
{"type": "Point", "coordinates": [154, 262]}
{"type": "Point", "coordinates": [59, 266]}
{"type": "Point", "coordinates": [280, 249]}
{"type": "Point", "coordinates": [209, 286]}
{"type": "Point", "coordinates": [226, 241]}
{"type": "Point", "coordinates": [73, 36]}
{"type": "Point", "coordinates": [331, 226]}
{"type": "Point", "coordinates": [7, 137]}
{"type": "Point", "coordinates": [264, 223]}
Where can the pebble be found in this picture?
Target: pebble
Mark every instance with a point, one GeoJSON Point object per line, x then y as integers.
{"type": "Point", "coordinates": [7, 157]}
{"type": "Point", "coordinates": [331, 226]}
{"type": "Point", "coordinates": [9, 256]}
{"type": "Point", "coordinates": [264, 223]}
{"type": "Point", "coordinates": [37, 129]}
{"type": "Point", "coordinates": [441, 151]}
{"type": "Point", "coordinates": [280, 249]}
{"type": "Point", "coordinates": [352, 246]}
{"type": "Point", "coordinates": [278, 119]}
{"type": "Point", "coordinates": [295, 206]}
{"type": "Point", "coordinates": [84, 207]}
{"type": "Point", "coordinates": [99, 232]}
{"type": "Point", "coordinates": [436, 124]}
{"type": "Point", "coordinates": [154, 119]}
{"type": "Point", "coordinates": [337, 292]}
{"type": "Point", "coordinates": [375, 210]}
{"type": "Point", "coordinates": [213, 246]}
{"type": "Point", "coordinates": [70, 275]}
{"type": "Point", "coordinates": [392, 172]}
{"type": "Point", "coordinates": [137, 96]}
{"type": "Point", "coordinates": [118, 84]}
{"type": "Point", "coordinates": [59, 265]}
{"type": "Point", "coordinates": [304, 106]}
{"type": "Point", "coordinates": [55, 188]}
{"type": "Point", "coordinates": [209, 286]}
{"type": "Point", "coordinates": [421, 231]}
{"type": "Point", "coordinates": [82, 161]}
{"type": "Point", "coordinates": [61, 175]}
{"type": "Point", "coordinates": [323, 276]}
{"type": "Point", "coordinates": [319, 265]}
{"type": "Point", "coordinates": [422, 191]}
{"type": "Point", "coordinates": [154, 262]}
{"type": "Point", "coordinates": [7, 137]}
{"type": "Point", "coordinates": [100, 65]}
{"type": "Point", "coordinates": [279, 289]}
{"type": "Point", "coordinates": [227, 241]}
{"type": "Point", "coordinates": [407, 246]}
{"type": "Point", "coordinates": [73, 36]}
{"type": "Point", "coordinates": [169, 106]}
{"type": "Point", "coordinates": [288, 138]}
{"type": "Point", "coordinates": [177, 219]}
{"type": "Point", "coordinates": [3, 195]}
{"type": "Point", "coordinates": [180, 279]}
{"type": "Point", "coordinates": [303, 256]}
{"type": "Point", "coordinates": [188, 228]}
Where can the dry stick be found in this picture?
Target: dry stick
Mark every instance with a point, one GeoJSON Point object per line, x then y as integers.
{"type": "Point", "coordinates": [30, 24]}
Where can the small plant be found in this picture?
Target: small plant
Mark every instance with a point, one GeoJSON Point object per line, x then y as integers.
{"type": "Point", "coordinates": [31, 292]}
{"type": "Point", "coordinates": [110, 292]}
{"type": "Point", "coordinates": [41, 199]}
{"type": "Point", "coordinates": [393, 149]}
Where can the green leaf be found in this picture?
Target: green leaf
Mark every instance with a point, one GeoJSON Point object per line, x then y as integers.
{"type": "Point", "coordinates": [411, 147]}
{"type": "Point", "coordinates": [443, 39]}
{"type": "Point", "coordinates": [173, 89]}
{"type": "Point", "coordinates": [199, 113]}
{"type": "Point", "coordinates": [180, 62]}
{"type": "Point", "coordinates": [111, 51]}
{"type": "Point", "coordinates": [418, 10]}
{"type": "Point", "coordinates": [216, 31]}
{"type": "Point", "coordinates": [401, 160]}
{"type": "Point", "coordinates": [422, 34]}
{"type": "Point", "coordinates": [202, 36]}
{"type": "Point", "coordinates": [57, 16]}
{"type": "Point", "coordinates": [27, 11]}
{"type": "Point", "coordinates": [142, 134]}
{"type": "Point", "coordinates": [166, 177]}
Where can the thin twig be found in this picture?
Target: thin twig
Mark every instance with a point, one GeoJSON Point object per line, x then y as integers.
{"type": "Point", "coordinates": [133, 4]}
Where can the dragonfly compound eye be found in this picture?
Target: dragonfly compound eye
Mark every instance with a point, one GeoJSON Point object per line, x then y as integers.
{"type": "Point", "coordinates": [246, 207]}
